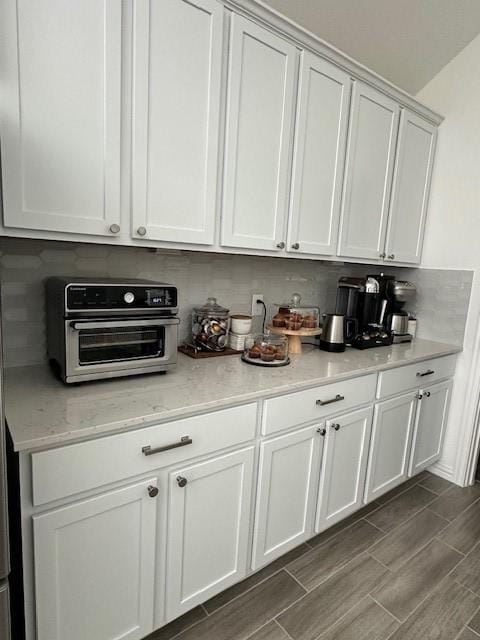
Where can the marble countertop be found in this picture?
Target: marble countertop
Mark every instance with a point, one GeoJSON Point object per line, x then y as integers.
{"type": "Point", "coordinates": [41, 411]}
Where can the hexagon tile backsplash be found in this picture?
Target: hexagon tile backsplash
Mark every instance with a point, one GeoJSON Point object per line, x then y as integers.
{"type": "Point", "coordinates": [232, 279]}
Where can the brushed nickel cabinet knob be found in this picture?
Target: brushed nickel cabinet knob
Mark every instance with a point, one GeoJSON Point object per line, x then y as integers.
{"type": "Point", "coordinates": [142, 231]}
{"type": "Point", "coordinates": [181, 481]}
{"type": "Point", "coordinates": [295, 245]}
{"type": "Point", "coordinates": [152, 491]}
{"type": "Point", "coordinates": [382, 255]}
{"type": "Point", "coordinates": [391, 256]}
{"type": "Point", "coordinates": [322, 432]}
{"type": "Point", "coordinates": [114, 228]}
{"type": "Point", "coordinates": [335, 426]}
{"type": "Point", "coordinates": [280, 245]}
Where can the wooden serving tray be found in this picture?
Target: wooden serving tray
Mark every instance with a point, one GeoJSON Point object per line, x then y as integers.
{"type": "Point", "coordinates": [199, 355]}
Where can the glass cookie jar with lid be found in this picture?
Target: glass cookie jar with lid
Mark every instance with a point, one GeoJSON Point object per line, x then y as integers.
{"type": "Point", "coordinates": [294, 315]}
{"type": "Point", "coordinates": [210, 326]}
{"type": "Point", "coordinates": [267, 350]}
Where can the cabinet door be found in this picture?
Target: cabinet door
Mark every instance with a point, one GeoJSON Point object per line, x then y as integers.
{"type": "Point", "coordinates": [61, 100]}
{"type": "Point", "coordinates": [344, 465]}
{"type": "Point", "coordinates": [390, 445]}
{"type": "Point", "coordinates": [411, 186]}
{"type": "Point", "coordinates": [177, 74]}
{"type": "Point", "coordinates": [260, 103]}
{"type": "Point", "coordinates": [430, 424]}
{"type": "Point", "coordinates": [4, 611]}
{"type": "Point", "coordinates": [288, 477]}
{"type": "Point", "coordinates": [319, 156]}
{"type": "Point", "coordinates": [370, 159]}
{"type": "Point", "coordinates": [94, 567]}
{"type": "Point", "coordinates": [208, 526]}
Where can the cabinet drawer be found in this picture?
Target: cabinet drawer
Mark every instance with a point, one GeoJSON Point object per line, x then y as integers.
{"type": "Point", "coordinates": [63, 472]}
{"type": "Point", "coordinates": [317, 403]}
{"type": "Point", "coordinates": [414, 376]}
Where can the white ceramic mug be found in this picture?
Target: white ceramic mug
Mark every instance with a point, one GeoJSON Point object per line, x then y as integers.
{"type": "Point", "coordinates": [241, 324]}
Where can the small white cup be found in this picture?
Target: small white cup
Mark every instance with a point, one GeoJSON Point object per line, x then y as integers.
{"type": "Point", "coordinates": [241, 324]}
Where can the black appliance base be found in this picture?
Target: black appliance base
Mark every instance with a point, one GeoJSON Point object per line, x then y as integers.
{"type": "Point", "coordinates": [360, 343]}
{"type": "Point", "coordinates": [332, 347]}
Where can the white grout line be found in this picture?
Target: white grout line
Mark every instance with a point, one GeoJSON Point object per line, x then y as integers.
{"type": "Point", "coordinates": [342, 618]}
{"type": "Point", "coordinates": [379, 562]}
{"type": "Point", "coordinates": [461, 512]}
{"type": "Point", "coordinates": [392, 615]}
{"type": "Point", "coordinates": [469, 629]}
{"type": "Point", "coordinates": [430, 594]}
{"type": "Point", "coordinates": [270, 575]}
{"type": "Point", "coordinates": [312, 547]}
{"type": "Point", "coordinates": [450, 547]}
{"type": "Point", "coordinates": [375, 526]}
{"type": "Point", "coordinates": [283, 629]}
{"type": "Point", "coordinates": [190, 626]}
{"type": "Point", "coordinates": [296, 580]}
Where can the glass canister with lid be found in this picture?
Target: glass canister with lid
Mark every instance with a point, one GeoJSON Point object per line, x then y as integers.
{"type": "Point", "coordinates": [210, 326]}
{"type": "Point", "coordinates": [267, 349]}
{"type": "Point", "coordinates": [294, 315]}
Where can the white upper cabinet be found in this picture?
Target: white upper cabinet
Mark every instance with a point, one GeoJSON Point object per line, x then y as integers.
{"type": "Point", "coordinates": [370, 160]}
{"type": "Point", "coordinates": [260, 103]}
{"type": "Point", "coordinates": [60, 115]}
{"type": "Point", "coordinates": [319, 156]}
{"type": "Point", "coordinates": [411, 186]}
{"type": "Point", "coordinates": [176, 110]}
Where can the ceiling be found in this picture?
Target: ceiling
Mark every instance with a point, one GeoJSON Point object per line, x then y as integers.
{"type": "Point", "coordinates": [405, 41]}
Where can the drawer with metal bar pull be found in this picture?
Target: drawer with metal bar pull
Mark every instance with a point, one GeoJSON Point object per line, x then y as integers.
{"type": "Point", "coordinates": [317, 403]}
{"type": "Point", "coordinates": [59, 473]}
{"type": "Point", "coordinates": [414, 376]}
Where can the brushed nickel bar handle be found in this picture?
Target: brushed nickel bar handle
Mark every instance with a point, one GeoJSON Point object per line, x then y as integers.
{"type": "Point", "coordinates": [428, 372]}
{"type": "Point", "coordinates": [337, 398]}
{"type": "Point", "coordinates": [148, 451]}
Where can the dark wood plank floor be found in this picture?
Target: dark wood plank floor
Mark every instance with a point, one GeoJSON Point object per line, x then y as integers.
{"type": "Point", "coordinates": [406, 567]}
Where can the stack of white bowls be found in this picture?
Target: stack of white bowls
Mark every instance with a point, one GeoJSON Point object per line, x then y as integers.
{"type": "Point", "coordinates": [240, 330]}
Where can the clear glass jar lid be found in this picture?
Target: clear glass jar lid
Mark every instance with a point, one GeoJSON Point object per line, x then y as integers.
{"type": "Point", "coordinates": [294, 302]}
{"type": "Point", "coordinates": [211, 307]}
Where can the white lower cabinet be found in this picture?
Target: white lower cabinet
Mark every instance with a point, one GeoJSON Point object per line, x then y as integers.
{"type": "Point", "coordinates": [94, 566]}
{"type": "Point", "coordinates": [97, 561]}
{"type": "Point", "coordinates": [288, 477]}
{"type": "Point", "coordinates": [344, 465]}
{"type": "Point", "coordinates": [430, 424]}
{"type": "Point", "coordinates": [390, 445]}
{"type": "Point", "coordinates": [208, 528]}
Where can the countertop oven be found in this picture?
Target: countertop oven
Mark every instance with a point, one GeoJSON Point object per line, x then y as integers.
{"type": "Point", "coordinates": [110, 328]}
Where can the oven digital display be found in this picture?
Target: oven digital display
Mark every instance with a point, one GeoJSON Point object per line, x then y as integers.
{"type": "Point", "coordinates": [159, 298]}
{"type": "Point", "coordinates": [120, 297]}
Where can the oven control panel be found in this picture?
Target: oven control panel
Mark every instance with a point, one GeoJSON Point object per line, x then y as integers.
{"type": "Point", "coordinates": [83, 297]}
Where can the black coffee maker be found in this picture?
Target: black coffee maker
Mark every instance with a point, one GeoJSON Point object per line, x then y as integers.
{"type": "Point", "coordinates": [366, 300]}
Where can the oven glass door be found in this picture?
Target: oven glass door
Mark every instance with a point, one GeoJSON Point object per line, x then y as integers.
{"type": "Point", "coordinates": [120, 343]}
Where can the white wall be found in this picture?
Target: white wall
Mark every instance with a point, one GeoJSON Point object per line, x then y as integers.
{"type": "Point", "coordinates": [452, 238]}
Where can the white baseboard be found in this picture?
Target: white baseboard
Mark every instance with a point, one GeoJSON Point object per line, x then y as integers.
{"type": "Point", "coordinates": [443, 470]}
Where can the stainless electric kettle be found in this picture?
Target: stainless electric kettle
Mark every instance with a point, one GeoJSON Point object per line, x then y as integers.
{"type": "Point", "coordinates": [336, 331]}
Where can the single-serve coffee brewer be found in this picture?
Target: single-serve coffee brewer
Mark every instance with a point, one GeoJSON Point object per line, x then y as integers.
{"type": "Point", "coordinates": [376, 303]}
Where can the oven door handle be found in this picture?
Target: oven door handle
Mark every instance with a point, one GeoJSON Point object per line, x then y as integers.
{"type": "Point", "coordinates": [107, 324]}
